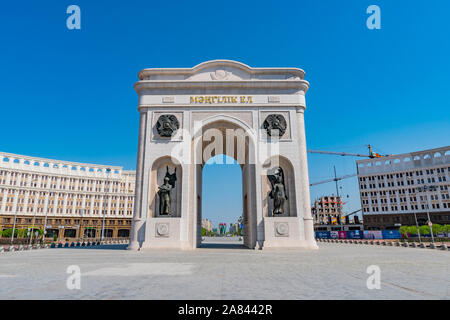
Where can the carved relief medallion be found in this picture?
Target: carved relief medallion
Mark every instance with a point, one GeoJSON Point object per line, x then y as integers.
{"type": "Point", "coordinates": [219, 75]}
{"type": "Point", "coordinates": [281, 229]}
{"type": "Point", "coordinates": [162, 229]}
{"type": "Point", "coordinates": [275, 125]}
{"type": "Point", "coordinates": [167, 125]}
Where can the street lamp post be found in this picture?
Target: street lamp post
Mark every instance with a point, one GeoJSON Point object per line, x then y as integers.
{"type": "Point", "coordinates": [425, 189]}
{"type": "Point", "coordinates": [81, 232]}
{"type": "Point", "coordinates": [34, 218]}
{"type": "Point", "coordinates": [108, 171]}
{"type": "Point", "coordinates": [417, 226]}
{"type": "Point", "coordinates": [44, 230]}
{"type": "Point", "coordinates": [14, 227]}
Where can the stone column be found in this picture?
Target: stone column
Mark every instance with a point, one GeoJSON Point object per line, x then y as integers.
{"type": "Point", "coordinates": [137, 212]}
{"type": "Point", "coordinates": [3, 202]}
{"type": "Point", "coordinates": [256, 174]}
{"type": "Point", "coordinates": [303, 180]}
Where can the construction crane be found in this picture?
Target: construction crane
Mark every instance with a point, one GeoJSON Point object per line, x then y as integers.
{"type": "Point", "coordinates": [334, 179]}
{"type": "Point", "coordinates": [370, 155]}
{"type": "Point", "coordinates": [347, 217]}
{"type": "Point", "coordinates": [352, 213]}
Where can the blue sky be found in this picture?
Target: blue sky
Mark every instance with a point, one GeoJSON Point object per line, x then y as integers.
{"type": "Point", "coordinates": [68, 94]}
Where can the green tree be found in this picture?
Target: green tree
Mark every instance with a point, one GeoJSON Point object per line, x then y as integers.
{"type": "Point", "coordinates": [22, 233]}
{"type": "Point", "coordinates": [203, 232]}
{"type": "Point", "coordinates": [412, 230]}
{"type": "Point", "coordinates": [424, 230]}
{"type": "Point", "coordinates": [7, 233]}
{"type": "Point", "coordinates": [404, 231]}
{"type": "Point", "coordinates": [437, 228]}
{"type": "Point", "coordinates": [446, 228]}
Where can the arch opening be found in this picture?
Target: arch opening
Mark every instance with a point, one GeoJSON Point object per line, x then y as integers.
{"type": "Point", "coordinates": [222, 203]}
{"type": "Point", "coordinates": [226, 142]}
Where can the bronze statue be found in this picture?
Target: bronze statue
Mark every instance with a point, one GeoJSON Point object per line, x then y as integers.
{"type": "Point", "coordinates": [278, 192]}
{"type": "Point", "coordinates": [164, 192]}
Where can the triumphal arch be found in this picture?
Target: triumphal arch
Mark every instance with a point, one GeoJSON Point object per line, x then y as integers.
{"type": "Point", "coordinates": [256, 116]}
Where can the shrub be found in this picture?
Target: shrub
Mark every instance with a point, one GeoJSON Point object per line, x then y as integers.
{"type": "Point", "coordinates": [446, 228]}
{"type": "Point", "coordinates": [424, 230]}
{"type": "Point", "coordinates": [437, 228]}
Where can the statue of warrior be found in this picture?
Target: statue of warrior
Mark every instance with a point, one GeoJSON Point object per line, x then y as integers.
{"type": "Point", "coordinates": [164, 192]}
{"type": "Point", "coordinates": [278, 192]}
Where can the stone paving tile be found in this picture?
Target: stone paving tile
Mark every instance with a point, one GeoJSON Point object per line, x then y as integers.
{"type": "Point", "coordinates": [335, 271]}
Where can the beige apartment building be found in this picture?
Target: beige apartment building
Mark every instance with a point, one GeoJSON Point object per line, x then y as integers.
{"type": "Point", "coordinates": [74, 200]}
{"type": "Point", "coordinates": [392, 189]}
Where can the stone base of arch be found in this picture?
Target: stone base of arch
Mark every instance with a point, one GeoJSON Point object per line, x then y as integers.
{"type": "Point", "coordinates": [285, 232]}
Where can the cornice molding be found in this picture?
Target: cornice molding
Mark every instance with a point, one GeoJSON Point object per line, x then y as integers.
{"type": "Point", "coordinates": [220, 63]}
{"type": "Point", "coordinates": [301, 85]}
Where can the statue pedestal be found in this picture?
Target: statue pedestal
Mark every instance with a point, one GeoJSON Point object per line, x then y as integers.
{"type": "Point", "coordinates": [163, 233]}
{"type": "Point", "coordinates": [285, 233]}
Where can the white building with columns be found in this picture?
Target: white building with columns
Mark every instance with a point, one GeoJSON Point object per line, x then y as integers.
{"type": "Point", "coordinates": [68, 197]}
{"type": "Point", "coordinates": [392, 189]}
{"type": "Point", "coordinates": [182, 112]}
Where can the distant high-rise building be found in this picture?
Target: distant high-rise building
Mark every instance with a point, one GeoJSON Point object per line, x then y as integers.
{"type": "Point", "coordinates": [206, 223]}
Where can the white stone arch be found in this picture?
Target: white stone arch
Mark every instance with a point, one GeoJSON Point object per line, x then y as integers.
{"type": "Point", "coordinates": [176, 90]}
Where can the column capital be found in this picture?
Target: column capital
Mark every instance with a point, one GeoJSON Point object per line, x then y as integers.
{"type": "Point", "coordinates": [300, 109]}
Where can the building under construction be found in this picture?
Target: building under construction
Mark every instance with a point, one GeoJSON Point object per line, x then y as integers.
{"type": "Point", "coordinates": [327, 210]}
{"type": "Point", "coordinates": [328, 215]}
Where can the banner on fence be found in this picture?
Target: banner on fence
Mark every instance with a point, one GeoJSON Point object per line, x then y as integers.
{"type": "Point", "coordinates": [391, 234]}
{"type": "Point", "coordinates": [373, 234]}
{"type": "Point", "coordinates": [323, 234]}
{"type": "Point", "coordinates": [334, 235]}
{"type": "Point", "coordinates": [342, 234]}
{"type": "Point", "coordinates": [354, 234]}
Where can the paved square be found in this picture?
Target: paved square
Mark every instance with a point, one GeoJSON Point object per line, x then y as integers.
{"type": "Point", "coordinates": [336, 271]}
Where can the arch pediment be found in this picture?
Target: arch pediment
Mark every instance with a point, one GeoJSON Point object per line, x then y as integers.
{"type": "Point", "coordinates": [221, 70]}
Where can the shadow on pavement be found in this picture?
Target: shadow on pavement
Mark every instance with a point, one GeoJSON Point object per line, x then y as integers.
{"type": "Point", "coordinates": [222, 246]}
{"type": "Point", "coordinates": [100, 247]}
